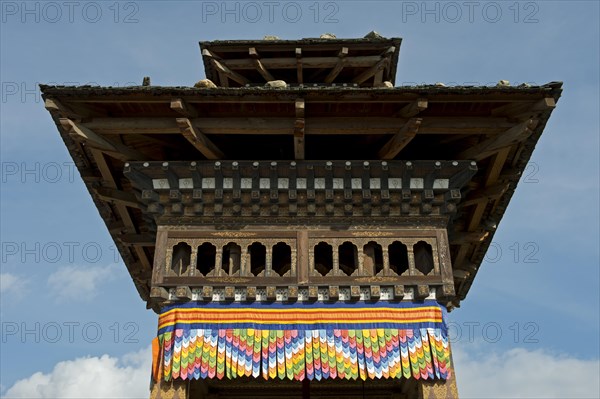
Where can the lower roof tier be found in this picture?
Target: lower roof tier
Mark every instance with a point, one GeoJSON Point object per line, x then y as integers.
{"type": "Point", "coordinates": [105, 128]}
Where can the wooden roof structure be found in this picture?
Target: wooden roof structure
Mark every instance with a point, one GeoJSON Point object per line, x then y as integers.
{"type": "Point", "coordinates": [363, 62]}
{"type": "Point", "coordinates": [497, 127]}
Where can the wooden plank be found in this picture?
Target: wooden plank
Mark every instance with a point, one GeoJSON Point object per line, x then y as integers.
{"type": "Point", "coordinates": [339, 66]}
{"type": "Point", "coordinates": [82, 133]}
{"type": "Point", "coordinates": [264, 72]}
{"type": "Point", "coordinates": [400, 139]}
{"type": "Point", "coordinates": [183, 108]}
{"type": "Point", "coordinates": [412, 109]}
{"type": "Point", "coordinates": [117, 196]}
{"type": "Point", "coordinates": [489, 146]}
{"type": "Point", "coordinates": [199, 140]}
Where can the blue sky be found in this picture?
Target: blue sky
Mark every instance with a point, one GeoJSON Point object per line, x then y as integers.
{"type": "Point", "coordinates": [70, 314]}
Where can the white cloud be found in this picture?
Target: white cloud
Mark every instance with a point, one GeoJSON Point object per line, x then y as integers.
{"type": "Point", "coordinates": [76, 282]}
{"type": "Point", "coordinates": [11, 284]}
{"type": "Point", "coordinates": [90, 377]}
{"type": "Point", "coordinates": [522, 373]}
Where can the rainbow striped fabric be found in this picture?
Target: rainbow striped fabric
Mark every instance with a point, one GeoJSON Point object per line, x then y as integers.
{"type": "Point", "coordinates": [302, 341]}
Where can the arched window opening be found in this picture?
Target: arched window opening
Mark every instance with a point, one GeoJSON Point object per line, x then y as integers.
{"type": "Point", "coordinates": [180, 262]}
{"type": "Point", "coordinates": [282, 258]}
{"type": "Point", "coordinates": [232, 255]}
{"type": "Point", "coordinates": [372, 258]}
{"type": "Point", "coordinates": [348, 258]}
{"type": "Point", "coordinates": [398, 257]}
{"type": "Point", "coordinates": [205, 262]}
{"type": "Point", "coordinates": [423, 257]}
{"type": "Point", "coordinates": [323, 258]}
{"type": "Point", "coordinates": [258, 258]}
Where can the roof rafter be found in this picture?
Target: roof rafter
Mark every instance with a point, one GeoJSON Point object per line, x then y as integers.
{"type": "Point", "coordinates": [199, 139]}
{"type": "Point", "coordinates": [80, 132]}
{"type": "Point", "coordinates": [264, 72]}
{"type": "Point", "coordinates": [338, 67]}
{"type": "Point", "coordinates": [400, 139]}
{"type": "Point", "coordinates": [223, 69]}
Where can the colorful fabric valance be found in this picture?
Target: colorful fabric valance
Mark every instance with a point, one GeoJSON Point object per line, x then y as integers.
{"type": "Point", "coordinates": [302, 341]}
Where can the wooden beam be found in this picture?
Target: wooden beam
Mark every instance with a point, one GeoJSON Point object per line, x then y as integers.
{"type": "Point", "coordinates": [525, 108]}
{"type": "Point", "coordinates": [383, 63]}
{"type": "Point", "coordinates": [222, 68]}
{"type": "Point", "coordinates": [489, 146]}
{"type": "Point", "coordinates": [471, 237]}
{"type": "Point", "coordinates": [53, 105]}
{"type": "Point", "coordinates": [378, 78]}
{"type": "Point", "coordinates": [491, 177]}
{"type": "Point", "coordinates": [400, 139]}
{"type": "Point", "coordinates": [412, 109]}
{"type": "Point", "coordinates": [299, 146]}
{"type": "Point", "coordinates": [338, 67]}
{"type": "Point", "coordinates": [315, 125]}
{"type": "Point", "coordinates": [378, 67]}
{"type": "Point", "coordinates": [122, 212]}
{"type": "Point", "coordinates": [259, 65]}
{"type": "Point", "coordinates": [117, 196]}
{"type": "Point", "coordinates": [143, 240]}
{"type": "Point", "coordinates": [300, 74]}
{"type": "Point", "coordinates": [82, 133]}
{"type": "Point", "coordinates": [308, 62]}
{"type": "Point", "coordinates": [198, 139]}
{"type": "Point", "coordinates": [486, 194]}
{"type": "Point", "coordinates": [183, 108]}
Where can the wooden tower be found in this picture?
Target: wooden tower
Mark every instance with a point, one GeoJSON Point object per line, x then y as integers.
{"type": "Point", "coordinates": [301, 225]}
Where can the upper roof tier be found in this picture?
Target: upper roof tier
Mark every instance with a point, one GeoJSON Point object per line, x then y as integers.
{"type": "Point", "coordinates": [365, 62]}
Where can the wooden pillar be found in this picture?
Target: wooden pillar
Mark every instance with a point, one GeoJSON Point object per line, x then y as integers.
{"type": "Point", "coordinates": [439, 389]}
{"type": "Point", "coordinates": [336, 259]}
{"type": "Point", "coordinates": [368, 256]}
{"type": "Point", "coordinates": [176, 389]}
{"type": "Point", "coordinates": [218, 271]}
{"type": "Point", "coordinates": [235, 260]}
{"type": "Point", "coordinates": [268, 260]}
{"type": "Point", "coordinates": [386, 260]}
